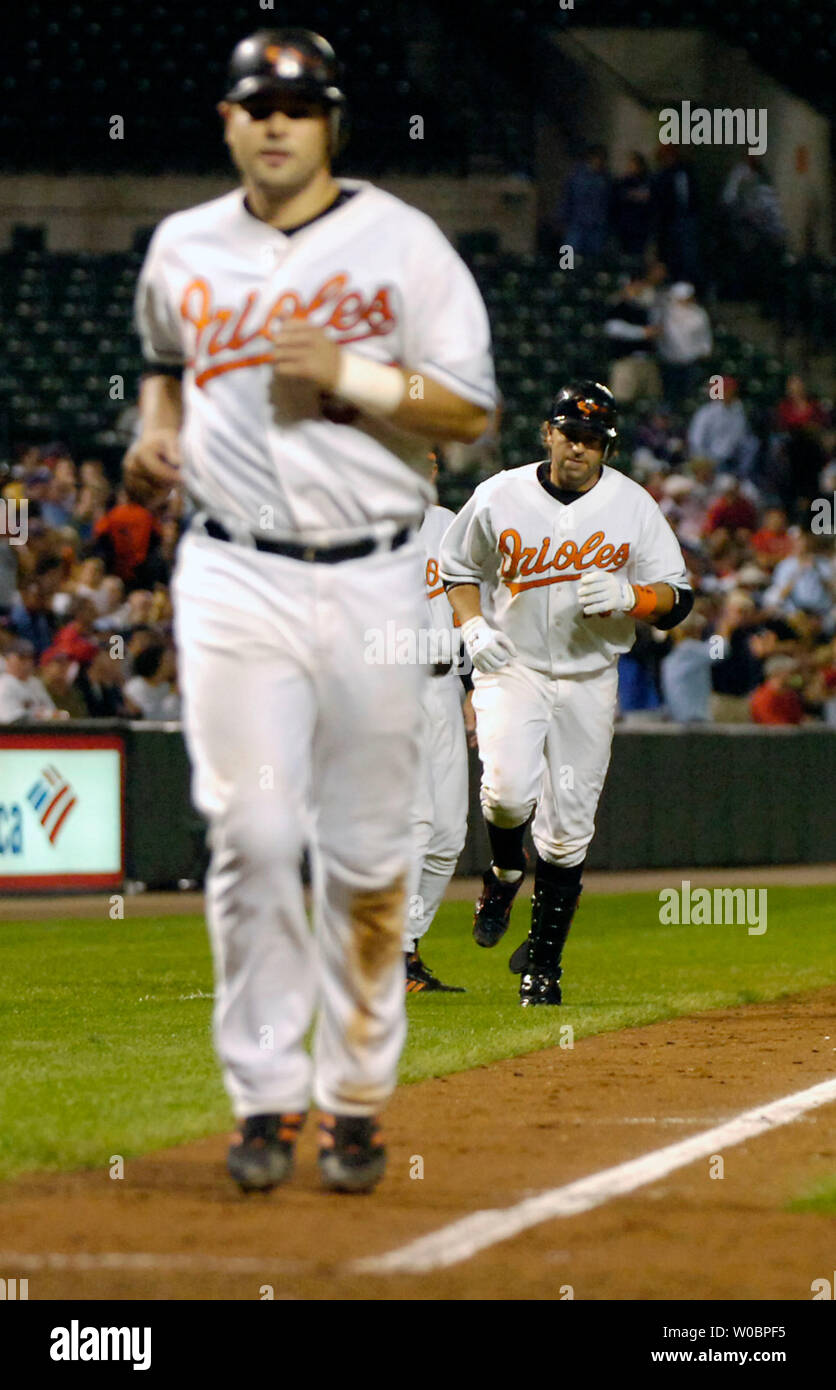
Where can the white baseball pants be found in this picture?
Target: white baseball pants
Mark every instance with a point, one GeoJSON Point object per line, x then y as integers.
{"type": "Point", "coordinates": [440, 811]}
{"type": "Point", "coordinates": [545, 742]}
{"type": "Point", "coordinates": [296, 740]}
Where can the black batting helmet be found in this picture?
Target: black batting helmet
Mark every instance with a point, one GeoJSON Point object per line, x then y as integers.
{"type": "Point", "coordinates": [288, 61]}
{"type": "Point", "coordinates": [591, 405]}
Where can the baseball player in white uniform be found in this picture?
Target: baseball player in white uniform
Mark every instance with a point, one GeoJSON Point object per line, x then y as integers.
{"type": "Point", "coordinates": [304, 337]}
{"type": "Point", "coordinates": [440, 810]}
{"type": "Point", "coordinates": [568, 553]}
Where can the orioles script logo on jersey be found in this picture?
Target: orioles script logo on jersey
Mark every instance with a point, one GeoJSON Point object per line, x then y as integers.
{"type": "Point", "coordinates": [349, 314]}
{"type": "Point", "coordinates": [569, 559]}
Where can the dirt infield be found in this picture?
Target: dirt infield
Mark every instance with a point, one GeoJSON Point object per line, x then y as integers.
{"type": "Point", "coordinates": [174, 1228]}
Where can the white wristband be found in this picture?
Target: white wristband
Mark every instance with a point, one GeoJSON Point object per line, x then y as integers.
{"type": "Point", "coordinates": [372, 386]}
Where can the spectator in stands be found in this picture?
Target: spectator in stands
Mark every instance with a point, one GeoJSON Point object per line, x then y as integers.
{"type": "Point", "coordinates": [22, 695]}
{"type": "Point", "coordinates": [630, 330]}
{"type": "Point", "coordinates": [632, 209]}
{"type": "Point", "coordinates": [771, 542]}
{"type": "Point", "coordinates": [798, 409]}
{"type": "Point", "coordinates": [28, 618]}
{"type": "Point", "coordinates": [777, 700]}
{"type": "Point", "coordinates": [734, 674]}
{"type": "Point", "coordinates": [801, 420]}
{"type": "Point", "coordinates": [719, 430]}
{"type": "Point", "coordinates": [756, 229]}
{"type": "Point", "coordinates": [88, 577]}
{"type": "Point", "coordinates": [684, 341]}
{"type": "Point", "coordinates": [8, 575]}
{"type": "Point", "coordinates": [638, 675]}
{"type": "Point", "coordinates": [151, 691]}
{"type": "Point", "coordinates": [585, 206]}
{"type": "Point", "coordinates": [675, 221]}
{"type": "Point", "coordinates": [685, 673]}
{"type": "Point", "coordinates": [134, 613]}
{"type": "Point", "coordinates": [660, 434]}
{"type": "Point", "coordinates": [56, 672]}
{"type": "Point", "coordinates": [62, 494]}
{"type": "Point", "coordinates": [51, 574]}
{"type": "Point", "coordinates": [90, 507]}
{"type": "Point", "coordinates": [101, 686]}
{"type": "Point", "coordinates": [731, 512]}
{"type": "Point", "coordinates": [127, 537]}
{"type": "Point", "coordinates": [77, 637]}
{"type": "Point", "coordinates": [108, 598]}
{"type": "Point", "coordinates": [803, 581]}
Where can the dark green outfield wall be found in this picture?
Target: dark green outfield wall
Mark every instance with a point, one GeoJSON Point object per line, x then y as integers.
{"type": "Point", "coordinates": [702, 796]}
{"type": "Point", "coordinates": [673, 797]}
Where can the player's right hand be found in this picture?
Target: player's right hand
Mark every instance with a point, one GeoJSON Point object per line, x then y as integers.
{"type": "Point", "coordinates": [488, 649]}
{"type": "Point", "coordinates": [152, 464]}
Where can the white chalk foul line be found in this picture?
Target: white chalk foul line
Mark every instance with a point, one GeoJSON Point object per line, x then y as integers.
{"type": "Point", "coordinates": [463, 1239]}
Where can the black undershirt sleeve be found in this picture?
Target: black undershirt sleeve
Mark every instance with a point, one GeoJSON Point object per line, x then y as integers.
{"type": "Point", "coordinates": [683, 604]}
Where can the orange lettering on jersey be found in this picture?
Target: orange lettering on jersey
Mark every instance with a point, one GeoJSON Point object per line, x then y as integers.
{"type": "Point", "coordinates": [569, 560]}
{"type": "Point", "coordinates": [345, 313]}
{"type": "Point", "coordinates": [593, 543]}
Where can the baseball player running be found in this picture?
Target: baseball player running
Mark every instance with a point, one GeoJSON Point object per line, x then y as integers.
{"type": "Point", "coordinates": [304, 337]}
{"type": "Point", "coordinates": [440, 811]}
{"type": "Point", "coordinates": [569, 553]}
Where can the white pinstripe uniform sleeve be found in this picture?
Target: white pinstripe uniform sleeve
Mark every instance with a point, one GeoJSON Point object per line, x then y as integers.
{"type": "Point", "coordinates": [658, 558]}
{"type": "Point", "coordinates": [450, 337]}
{"type": "Point", "coordinates": [156, 322]}
{"type": "Point", "coordinates": [467, 544]}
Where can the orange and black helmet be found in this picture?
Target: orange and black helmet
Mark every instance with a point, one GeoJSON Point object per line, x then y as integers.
{"type": "Point", "coordinates": [589, 405]}
{"type": "Point", "coordinates": [287, 62]}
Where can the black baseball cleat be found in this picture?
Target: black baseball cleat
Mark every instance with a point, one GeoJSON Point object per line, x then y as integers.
{"type": "Point", "coordinates": [493, 909]}
{"type": "Point", "coordinates": [519, 962]}
{"type": "Point", "coordinates": [351, 1153]}
{"type": "Point", "coordinates": [540, 988]}
{"type": "Point", "coordinates": [421, 980]}
{"type": "Point", "coordinates": [263, 1155]}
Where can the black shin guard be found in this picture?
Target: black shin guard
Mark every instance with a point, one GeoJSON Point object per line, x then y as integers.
{"type": "Point", "coordinates": [557, 891]}
{"type": "Point", "coordinates": [507, 845]}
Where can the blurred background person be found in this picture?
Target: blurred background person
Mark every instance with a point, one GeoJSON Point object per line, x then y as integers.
{"type": "Point", "coordinates": [584, 209]}
{"type": "Point", "coordinates": [685, 673]}
{"type": "Point", "coordinates": [632, 206]}
{"type": "Point", "coordinates": [684, 342]}
{"type": "Point", "coordinates": [631, 329]}
{"type": "Point", "coordinates": [23, 697]}
{"type": "Point", "coordinates": [719, 430]}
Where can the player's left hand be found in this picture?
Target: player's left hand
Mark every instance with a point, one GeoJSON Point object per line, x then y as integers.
{"type": "Point", "coordinates": [300, 350]}
{"type": "Point", "coordinates": [600, 593]}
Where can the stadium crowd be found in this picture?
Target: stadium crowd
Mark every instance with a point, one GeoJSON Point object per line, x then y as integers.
{"type": "Point", "coordinates": [86, 614]}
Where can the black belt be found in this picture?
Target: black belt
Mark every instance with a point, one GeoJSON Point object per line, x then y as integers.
{"type": "Point", "coordinates": [314, 554]}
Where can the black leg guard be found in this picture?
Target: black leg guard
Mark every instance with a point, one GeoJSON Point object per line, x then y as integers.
{"type": "Point", "coordinates": [507, 845]}
{"type": "Point", "coordinates": [538, 959]}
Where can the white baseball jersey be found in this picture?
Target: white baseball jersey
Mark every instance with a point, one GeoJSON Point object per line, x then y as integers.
{"type": "Point", "coordinates": [527, 550]}
{"type": "Point", "coordinates": [265, 452]}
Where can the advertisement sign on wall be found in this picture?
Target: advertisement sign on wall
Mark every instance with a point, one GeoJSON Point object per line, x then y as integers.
{"type": "Point", "coordinates": [61, 811]}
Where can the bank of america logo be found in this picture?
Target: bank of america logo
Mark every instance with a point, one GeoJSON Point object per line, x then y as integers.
{"type": "Point", "coordinates": [52, 798]}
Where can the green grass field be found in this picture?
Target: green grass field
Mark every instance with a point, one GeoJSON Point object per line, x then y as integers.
{"type": "Point", "coordinates": [104, 1025]}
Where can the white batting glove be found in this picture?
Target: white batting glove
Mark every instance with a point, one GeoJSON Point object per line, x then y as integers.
{"type": "Point", "coordinates": [488, 649]}
{"type": "Point", "coordinates": [600, 592]}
